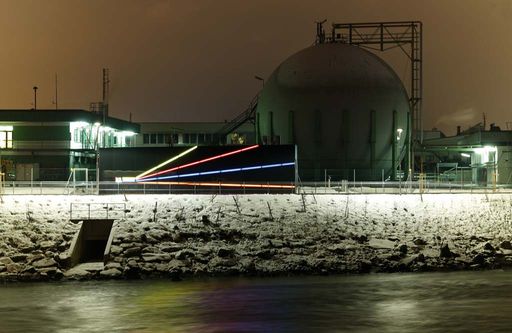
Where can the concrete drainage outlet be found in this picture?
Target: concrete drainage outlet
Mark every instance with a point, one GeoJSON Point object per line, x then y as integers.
{"type": "Point", "coordinates": [91, 243]}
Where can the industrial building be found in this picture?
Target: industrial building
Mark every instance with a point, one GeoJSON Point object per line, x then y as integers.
{"type": "Point", "coordinates": [342, 106]}
{"type": "Point", "coordinates": [169, 134]}
{"type": "Point", "coordinates": [346, 111]}
{"type": "Point", "coordinates": [477, 156]}
{"type": "Point", "coordinates": [47, 144]}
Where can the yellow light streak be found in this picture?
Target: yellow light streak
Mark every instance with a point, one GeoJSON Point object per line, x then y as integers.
{"type": "Point", "coordinates": [166, 162]}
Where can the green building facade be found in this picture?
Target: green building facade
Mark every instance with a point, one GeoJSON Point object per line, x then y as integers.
{"type": "Point", "coordinates": [47, 144]}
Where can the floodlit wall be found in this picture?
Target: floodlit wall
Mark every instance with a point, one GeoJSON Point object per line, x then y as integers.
{"type": "Point", "coordinates": [131, 162]}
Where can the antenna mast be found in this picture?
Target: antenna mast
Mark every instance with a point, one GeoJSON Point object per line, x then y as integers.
{"type": "Point", "coordinates": [106, 82]}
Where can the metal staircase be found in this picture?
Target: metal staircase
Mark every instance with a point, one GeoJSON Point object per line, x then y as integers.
{"type": "Point", "coordinates": [247, 115]}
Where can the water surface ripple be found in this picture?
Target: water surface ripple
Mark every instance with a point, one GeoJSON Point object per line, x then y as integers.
{"type": "Point", "coordinates": [430, 302]}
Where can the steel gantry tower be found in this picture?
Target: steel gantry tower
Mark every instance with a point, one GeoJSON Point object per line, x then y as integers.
{"type": "Point", "coordinates": [384, 36]}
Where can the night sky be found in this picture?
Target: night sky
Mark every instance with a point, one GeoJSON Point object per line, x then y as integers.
{"type": "Point", "coordinates": [196, 60]}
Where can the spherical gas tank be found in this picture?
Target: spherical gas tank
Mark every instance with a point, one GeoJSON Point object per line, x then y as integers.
{"type": "Point", "coordinates": [344, 108]}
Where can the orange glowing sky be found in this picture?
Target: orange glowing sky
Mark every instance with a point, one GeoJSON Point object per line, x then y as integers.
{"type": "Point", "coordinates": [195, 60]}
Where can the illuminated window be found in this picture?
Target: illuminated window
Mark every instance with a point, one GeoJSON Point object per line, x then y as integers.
{"type": "Point", "coordinates": [6, 139]}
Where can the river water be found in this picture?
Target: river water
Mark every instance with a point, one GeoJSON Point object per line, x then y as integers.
{"type": "Point", "coordinates": [426, 302]}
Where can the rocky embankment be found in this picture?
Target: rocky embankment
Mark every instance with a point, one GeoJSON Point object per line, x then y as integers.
{"type": "Point", "coordinates": [183, 236]}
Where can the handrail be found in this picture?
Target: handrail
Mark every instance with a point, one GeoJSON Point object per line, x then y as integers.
{"type": "Point", "coordinates": [105, 208]}
{"type": "Point", "coordinates": [236, 122]}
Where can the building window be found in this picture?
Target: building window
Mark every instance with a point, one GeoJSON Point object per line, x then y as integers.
{"type": "Point", "coordinates": [193, 138]}
{"type": "Point", "coordinates": [160, 138]}
{"type": "Point", "coordinates": [153, 138]}
{"type": "Point", "coordinates": [186, 138]}
{"type": "Point", "coordinates": [76, 135]}
{"type": "Point", "coordinates": [200, 139]}
{"type": "Point", "coordinates": [6, 139]}
{"type": "Point", "coordinates": [207, 138]}
{"type": "Point", "coordinates": [145, 139]}
{"type": "Point", "coordinates": [175, 139]}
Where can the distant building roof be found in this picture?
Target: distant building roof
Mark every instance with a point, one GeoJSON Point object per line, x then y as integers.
{"type": "Point", "coordinates": [184, 127]}
{"type": "Point", "coordinates": [473, 139]}
{"type": "Point", "coordinates": [65, 115]}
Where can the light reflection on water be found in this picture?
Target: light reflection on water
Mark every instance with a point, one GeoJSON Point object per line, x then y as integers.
{"type": "Point", "coordinates": [431, 302]}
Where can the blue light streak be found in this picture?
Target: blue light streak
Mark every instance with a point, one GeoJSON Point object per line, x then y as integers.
{"type": "Point", "coordinates": [277, 165]}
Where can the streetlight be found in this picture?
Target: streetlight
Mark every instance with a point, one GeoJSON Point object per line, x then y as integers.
{"type": "Point", "coordinates": [35, 97]}
{"type": "Point", "coordinates": [259, 78]}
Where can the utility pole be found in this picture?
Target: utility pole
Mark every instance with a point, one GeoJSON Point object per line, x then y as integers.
{"type": "Point", "coordinates": [56, 94]}
{"type": "Point", "coordinates": [35, 97]}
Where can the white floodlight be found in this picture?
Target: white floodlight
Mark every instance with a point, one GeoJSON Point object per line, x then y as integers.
{"type": "Point", "coordinates": [399, 133]}
{"type": "Point", "coordinates": [125, 179]}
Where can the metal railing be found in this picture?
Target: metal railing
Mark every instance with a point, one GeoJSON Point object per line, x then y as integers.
{"type": "Point", "coordinates": [398, 187]}
{"type": "Point", "coordinates": [96, 211]}
{"type": "Point", "coordinates": [108, 187]}
{"type": "Point", "coordinates": [47, 187]}
{"type": "Point", "coordinates": [422, 185]}
{"type": "Point", "coordinates": [217, 188]}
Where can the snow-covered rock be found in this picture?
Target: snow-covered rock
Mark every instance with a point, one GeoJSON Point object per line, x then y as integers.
{"type": "Point", "coordinates": [215, 234]}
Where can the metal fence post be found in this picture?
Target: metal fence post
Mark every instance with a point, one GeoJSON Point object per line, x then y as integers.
{"type": "Point", "coordinates": [382, 172]}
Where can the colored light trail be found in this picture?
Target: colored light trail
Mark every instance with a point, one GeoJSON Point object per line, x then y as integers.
{"type": "Point", "coordinates": [201, 161]}
{"type": "Point", "coordinates": [167, 162]}
{"type": "Point", "coordinates": [240, 185]}
{"type": "Point", "coordinates": [215, 172]}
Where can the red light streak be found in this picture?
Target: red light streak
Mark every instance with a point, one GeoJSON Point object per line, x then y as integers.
{"type": "Point", "coordinates": [200, 161]}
